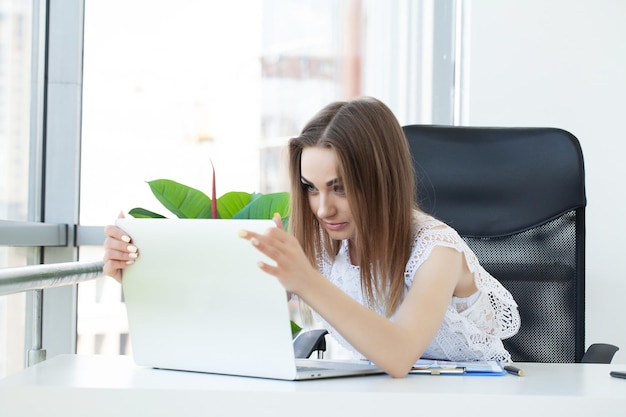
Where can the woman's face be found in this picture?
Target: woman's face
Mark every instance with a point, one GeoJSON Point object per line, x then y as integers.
{"type": "Point", "coordinates": [326, 193]}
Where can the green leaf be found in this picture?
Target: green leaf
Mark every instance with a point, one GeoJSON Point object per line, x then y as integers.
{"type": "Point", "coordinates": [231, 203]}
{"type": "Point", "coordinates": [141, 213]}
{"type": "Point", "coordinates": [263, 206]}
{"type": "Point", "coordinates": [295, 329]}
{"type": "Point", "coordinates": [184, 201]}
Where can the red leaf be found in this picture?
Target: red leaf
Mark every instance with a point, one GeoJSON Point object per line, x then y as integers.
{"type": "Point", "coordinates": [213, 195]}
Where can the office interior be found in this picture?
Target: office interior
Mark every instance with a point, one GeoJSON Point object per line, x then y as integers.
{"type": "Point", "coordinates": [97, 98]}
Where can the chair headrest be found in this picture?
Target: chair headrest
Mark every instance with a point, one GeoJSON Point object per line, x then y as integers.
{"type": "Point", "coordinates": [491, 181]}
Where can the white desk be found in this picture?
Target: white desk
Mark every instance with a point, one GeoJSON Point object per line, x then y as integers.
{"type": "Point", "coordinates": [70, 385]}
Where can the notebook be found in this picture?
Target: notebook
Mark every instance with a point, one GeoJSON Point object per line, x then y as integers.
{"type": "Point", "coordinates": [197, 301]}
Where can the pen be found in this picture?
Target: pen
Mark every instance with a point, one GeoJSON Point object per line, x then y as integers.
{"type": "Point", "coordinates": [513, 370]}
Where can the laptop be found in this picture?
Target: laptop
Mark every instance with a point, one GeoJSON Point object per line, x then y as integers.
{"type": "Point", "coordinates": [197, 301]}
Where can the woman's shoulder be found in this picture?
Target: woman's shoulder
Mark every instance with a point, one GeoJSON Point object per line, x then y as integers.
{"type": "Point", "coordinates": [423, 222]}
{"type": "Point", "coordinates": [422, 218]}
{"type": "Point", "coordinates": [430, 232]}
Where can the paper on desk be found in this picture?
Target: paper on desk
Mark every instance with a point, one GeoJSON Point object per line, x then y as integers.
{"type": "Point", "coordinates": [449, 367]}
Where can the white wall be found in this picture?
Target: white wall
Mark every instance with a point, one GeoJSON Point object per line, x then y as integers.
{"type": "Point", "coordinates": [562, 63]}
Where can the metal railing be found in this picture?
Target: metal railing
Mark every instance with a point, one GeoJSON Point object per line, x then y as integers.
{"type": "Point", "coordinates": [36, 278]}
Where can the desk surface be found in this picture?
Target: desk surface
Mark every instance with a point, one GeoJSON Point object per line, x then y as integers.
{"type": "Point", "coordinates": [76, 385]}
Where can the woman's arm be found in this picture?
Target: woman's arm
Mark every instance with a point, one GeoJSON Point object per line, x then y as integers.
{"type": "Point", "coordinates": [392, 345]}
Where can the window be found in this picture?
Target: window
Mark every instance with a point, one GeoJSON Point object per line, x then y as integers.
{"type": "Point", "coordinates": [168, 92]}
{"type": "Point", "coordinates": [173, 90]}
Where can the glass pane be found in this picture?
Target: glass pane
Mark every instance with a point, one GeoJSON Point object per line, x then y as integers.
{"type": "Point", "coordinates": [15, 49]}
{"type": "Point", "coordinates": [11, 334]}
{"type": "Point", "coordinates": [15, 73]}
{"type": "Point", "coordinates": [174, 90]}
{"type": "Point", "coordinates": [12, 319]}
{"type": "Point", "coordinates": [102, 325]}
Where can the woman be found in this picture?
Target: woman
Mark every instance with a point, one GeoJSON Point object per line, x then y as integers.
{"type": "Point", "coordinates": [389, 282]}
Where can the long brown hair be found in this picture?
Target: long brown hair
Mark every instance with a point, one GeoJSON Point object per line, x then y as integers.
{"type": "Point", "coordinates": [375, 168]}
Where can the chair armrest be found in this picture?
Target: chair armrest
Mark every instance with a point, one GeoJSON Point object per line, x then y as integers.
{"type": "Point", "coordinates": [308, 342]}
{"type": "Point", "coordinates": [599, 353]}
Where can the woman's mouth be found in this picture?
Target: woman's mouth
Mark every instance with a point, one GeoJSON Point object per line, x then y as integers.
{"type": "Point", "coordinates": [334, 226]}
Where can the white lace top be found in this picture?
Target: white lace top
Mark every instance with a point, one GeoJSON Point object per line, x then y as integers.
{"type": "Point", "coordinates": [473, 327]}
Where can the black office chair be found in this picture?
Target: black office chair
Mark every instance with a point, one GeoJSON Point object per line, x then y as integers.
{"type": "Point", "coordinates": [517, 196]}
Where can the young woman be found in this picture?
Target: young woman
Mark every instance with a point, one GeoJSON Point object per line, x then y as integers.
{"type": "Point", "coordinates": [391, 283]}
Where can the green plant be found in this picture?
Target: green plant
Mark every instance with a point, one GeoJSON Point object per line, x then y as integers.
{"type": "Point", "coordinates": [189, 203]}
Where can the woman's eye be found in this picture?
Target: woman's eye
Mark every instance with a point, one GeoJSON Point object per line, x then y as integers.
{"type": "Point", "coordinates": [308, 188]}
{"type": "Point", "coordinates": [339, 189]}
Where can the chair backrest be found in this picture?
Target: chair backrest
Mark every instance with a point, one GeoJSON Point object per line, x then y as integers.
{"type": "Point", "coordinates": [517, 196]}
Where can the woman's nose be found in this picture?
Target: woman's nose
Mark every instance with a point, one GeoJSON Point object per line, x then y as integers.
{"type": "Point", "coordinates": [325, 208]}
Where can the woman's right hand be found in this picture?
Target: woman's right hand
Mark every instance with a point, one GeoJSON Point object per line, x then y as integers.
{"type": "Point", "coordinates": [119, 252]}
